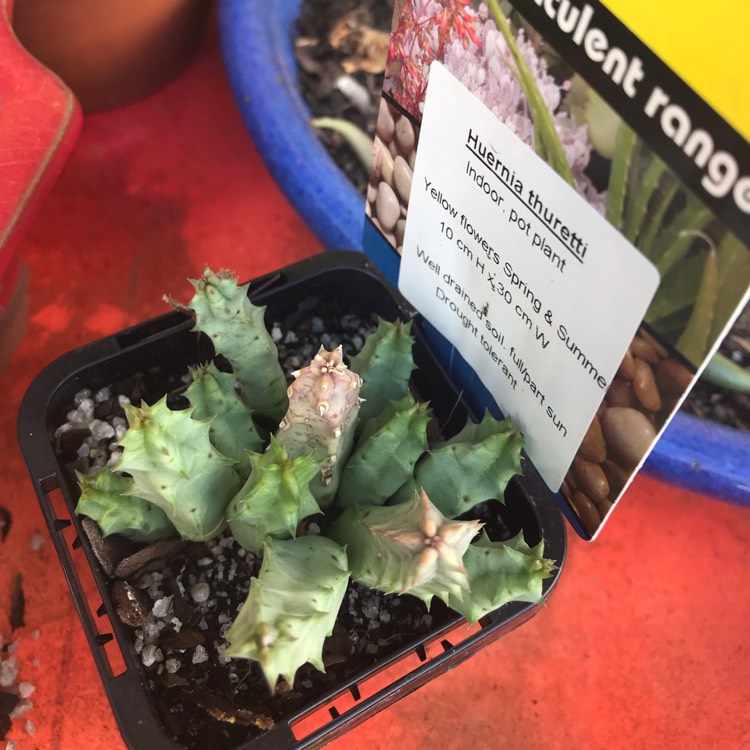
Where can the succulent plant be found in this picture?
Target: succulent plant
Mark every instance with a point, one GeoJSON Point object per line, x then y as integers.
{"type": "Point", "coordinates": [213, 395]}
{"type": "Point", "coordinates": [275, 498]}
{"type": "Point", "coordinates": [500, 572]}
{"type": "Point", "coordinates": [291, 607]}
{"type": "Point", "coordinates": [351, 450]}
{"type": "Point", "coordinates": [385, 454]}
{"type": "Point", "coordinates": [385, 365]}
{"type": "Point", "coordinates": [411, 548]}
{"type": "Point", "coordinates": [223, 311]}
{"type": "Point", "coordinates": [108, 499]}
{"type": "Point", "coordinates": [175, 467]}
{"type": "Point", "coordinates": [473, 466]}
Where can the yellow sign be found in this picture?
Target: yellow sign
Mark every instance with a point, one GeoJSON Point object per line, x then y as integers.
{"type": "Point", "coordinates": [706, 44]}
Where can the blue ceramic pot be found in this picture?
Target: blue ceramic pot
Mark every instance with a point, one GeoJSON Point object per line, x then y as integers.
{"type": "Point", "coordinates": [257, 39]}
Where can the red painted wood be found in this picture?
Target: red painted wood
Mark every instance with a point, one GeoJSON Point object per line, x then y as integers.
{"type": "Point", "coordinates": [39, 123]}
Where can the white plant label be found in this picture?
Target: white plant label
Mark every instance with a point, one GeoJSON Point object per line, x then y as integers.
{"type": "Point", "coordinates": [536, 290]}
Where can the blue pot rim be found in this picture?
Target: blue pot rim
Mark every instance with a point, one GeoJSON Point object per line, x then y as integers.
{"type": "Point", "coordinates": [257, 39]}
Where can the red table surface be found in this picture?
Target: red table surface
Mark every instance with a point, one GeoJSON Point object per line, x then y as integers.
{"type": "Point", "coordinates": [644, 644]}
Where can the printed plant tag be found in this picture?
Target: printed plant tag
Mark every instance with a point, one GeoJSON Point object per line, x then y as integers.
{"type": "Point", "coordinates": [570, 214]}
{"type": "Point", "coordinates": [537, 291]}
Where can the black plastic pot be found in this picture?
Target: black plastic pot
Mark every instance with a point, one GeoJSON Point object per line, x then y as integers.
{"type": "Point", "coordinates": [165, 347]}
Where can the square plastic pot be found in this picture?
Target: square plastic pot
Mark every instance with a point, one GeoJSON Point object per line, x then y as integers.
{"type": "Point", "coordinates": [164, 347]}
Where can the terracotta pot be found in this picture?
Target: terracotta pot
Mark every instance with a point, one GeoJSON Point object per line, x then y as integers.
{"type": "Point", "coordinates": [113, 52]}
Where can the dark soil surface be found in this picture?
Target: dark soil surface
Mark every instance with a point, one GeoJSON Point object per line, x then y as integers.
{"type": "Point", "coordinates": [321, 66]}
{"type": "Point", "coordinates": [344, 80]}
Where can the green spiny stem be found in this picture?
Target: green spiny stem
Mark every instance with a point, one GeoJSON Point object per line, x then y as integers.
{"type": "Point", "coordinates": [232, 429]}
{"type": "Point", "coordinates": [291, 607]}
{"type": "Point", "coordinates": [473, 466]}
{"type": "Point", "coordinates": [274, 499]}
{"type": "Point", "coordinates": [108, 499]}
{"type": "Point", "coordinates": [237, 329]}
{"type": "Point", "coordinates": [500, 572]}
{"type": "Point", "coordinates": [384, 460]}
{"type": "Point", "coordinates": [385, 364]}
{"type": "Point", "coordinates": [175, 466]}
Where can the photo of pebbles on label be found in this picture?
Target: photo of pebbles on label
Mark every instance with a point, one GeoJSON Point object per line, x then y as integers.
{"type": "Point", "coordinates": [646, 390]}
{"type": "Point", "coordinates": [394, 152]}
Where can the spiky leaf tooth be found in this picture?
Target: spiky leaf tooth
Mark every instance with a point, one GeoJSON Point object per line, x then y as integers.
{"type": "Point", "coordinates": [322, 414]}
{"type": "Point", "coordinates": [108, 499]}
{"type": "Point", "coordinates": [367, 429]}
{"type": "Point", "coordinates": [385, 365]}
{"type": "Point", "coordinates": [274, 499]}
{"type": "Point", "coordinates": [406, 549]}
{"type": "Point", "coordinates": [175, 466]}
{"type": "Point", "coordinates": [213, 395]}
{"type": "Point", "coordinates": [473, 466]}
{"type": "Point", "coordinates": [237, 329]}
{"type": "Point", "coordinates": [501, 572]}
{"type": "Point", "coordinates": [385, 459]}
{"type": "Point", "coordinates": [291, 607]}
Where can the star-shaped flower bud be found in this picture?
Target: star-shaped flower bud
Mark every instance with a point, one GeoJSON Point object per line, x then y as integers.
{"type": "Point", "coordinates": [410, 548]}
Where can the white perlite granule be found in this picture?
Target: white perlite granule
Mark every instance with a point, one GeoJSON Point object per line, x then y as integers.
{"type": "Point", "coordinates": [148, 655]}
{"type": "Point", "coordinates": [29, 727]}
{"type": "Point", "coordinates": [101, 395]}
{"type": "Point", "coordinates": [150, 632]}
{"type": "Point", "coordinates": [162, 606]}
{"type": "Point", "coordinates": [172, 665]}
{"type": "Point", "coordinates": [25, 689]}
{"type": "Point", "coordinates": [200, 655]}
{"type": "Point", "coordinates": [22, 707]}
{"type": "Point", "coordinates": [200, 592]}
{"type": "Point", "coordinates": [8, 671]}
{"type": "Point", "coordinates": [101, 430]}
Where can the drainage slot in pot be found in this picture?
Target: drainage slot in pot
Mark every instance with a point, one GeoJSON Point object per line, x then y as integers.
{"type": "Point", "coordinates": [383, 679]}
{"type": "Point", "coordinates": [77, 566]}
